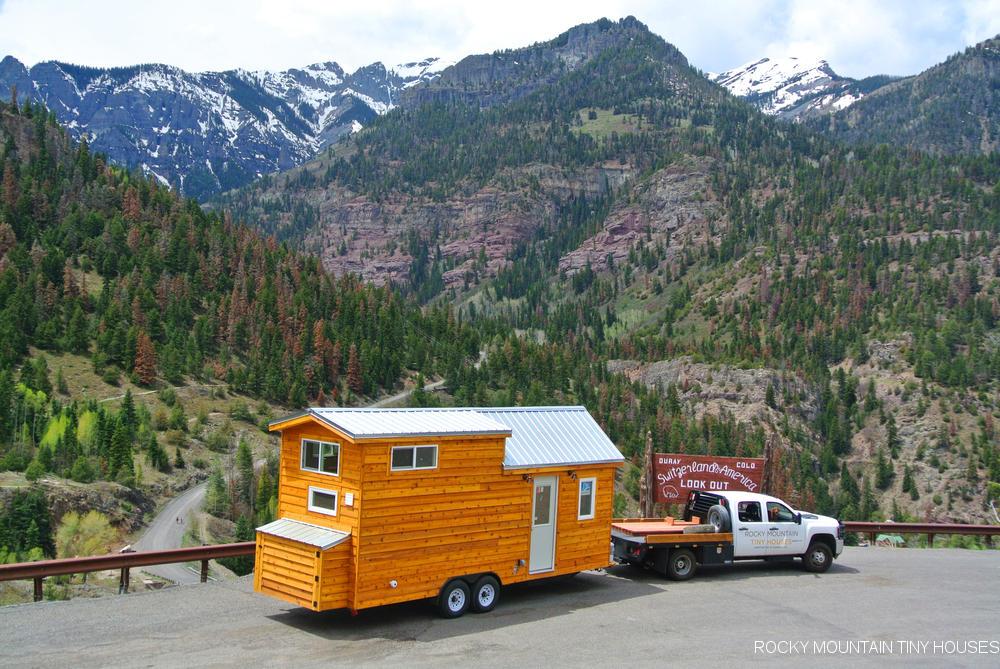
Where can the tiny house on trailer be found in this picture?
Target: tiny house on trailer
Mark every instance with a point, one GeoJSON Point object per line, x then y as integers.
{"type": "Point", "coordinates": [378, 506]}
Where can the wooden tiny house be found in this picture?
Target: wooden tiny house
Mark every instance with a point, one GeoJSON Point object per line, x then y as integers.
{"type": "Point", "coordinates": [377, 506]}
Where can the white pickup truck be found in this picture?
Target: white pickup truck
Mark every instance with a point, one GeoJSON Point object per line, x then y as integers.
{"type": "Point", "coordinates": [721, 527]}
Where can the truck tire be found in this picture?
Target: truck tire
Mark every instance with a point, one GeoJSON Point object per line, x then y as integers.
{"type": "Point", "coordinates": [818, 558]}
{"type": "Point", "coordinates": [454, 599]}
{"type": "Point", "coordinates": [719, 517]}
{"type": "Point", "coordinates": [681, 564]}
{"type": "Point", "coordinates": [485, 594]}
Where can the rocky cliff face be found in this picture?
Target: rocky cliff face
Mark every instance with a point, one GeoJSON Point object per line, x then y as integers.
{"type": "Point", "coordinates": [212, 131]}
{"type": "Point", "coordinates": [368, 238]}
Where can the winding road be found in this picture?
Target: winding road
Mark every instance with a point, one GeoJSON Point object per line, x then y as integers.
{"type": "Point", "coordinates": [165, 533]}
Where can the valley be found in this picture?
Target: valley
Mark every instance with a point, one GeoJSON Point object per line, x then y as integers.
{"type": "Point", "coordinates": [588, 220]}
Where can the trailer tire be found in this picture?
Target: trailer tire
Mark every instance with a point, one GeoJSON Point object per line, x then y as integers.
{"type": "Point", "coordinates": [681, 564]}
{"type": "Point", "coordinates": [485, 594]}
{"type": "Point", "coordinates": [454, 599]}
{"type": "Point", "coordinates": [818, 558]}
{"type": "Point", "coordinates": [718, 516]}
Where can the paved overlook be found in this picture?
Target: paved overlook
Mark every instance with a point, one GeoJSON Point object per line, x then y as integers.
{"type": "Point", "coordinates": [724, 617]}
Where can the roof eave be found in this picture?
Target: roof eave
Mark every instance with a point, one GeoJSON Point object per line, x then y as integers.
{"type": "Point", "coordinates": [542, 465]}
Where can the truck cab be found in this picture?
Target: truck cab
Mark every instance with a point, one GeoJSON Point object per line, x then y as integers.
{"type": "Point", "coordinates": [765, 527]}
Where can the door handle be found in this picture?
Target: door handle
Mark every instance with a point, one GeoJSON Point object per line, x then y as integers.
{"type": "Point", "coordinates": [742, 529]}
{"type": "Point", "coordinates": [773, 529]}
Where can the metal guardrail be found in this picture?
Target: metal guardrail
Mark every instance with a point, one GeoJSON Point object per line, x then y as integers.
{"type": "Point", "coordinates": [42, 569]}
{"type": "Point", "coordinates": [930, 529]}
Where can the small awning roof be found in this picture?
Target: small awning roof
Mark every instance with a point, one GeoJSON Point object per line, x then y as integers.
{"type": "Point", "coordinates": [403, 423]}
{"type": "Point", "coordinates": [304, 533]}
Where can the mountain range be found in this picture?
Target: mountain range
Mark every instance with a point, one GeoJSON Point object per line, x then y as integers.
{"type": "Point", "coordinates": [205, 132]}
{"type": "Point", "coordinates": [588, 220]}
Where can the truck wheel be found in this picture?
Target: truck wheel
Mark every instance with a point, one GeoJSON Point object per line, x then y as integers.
{"type": "Point", "coordinates": [818, 558]}
{"type": "Point", "coordinates": [454, 598]}
{"type": "Point", "coordinates": [680, 566]}
{"type": "Point", "coordinates": [485, 594]}
{"type": "Point", "coordinates": [719, 517]}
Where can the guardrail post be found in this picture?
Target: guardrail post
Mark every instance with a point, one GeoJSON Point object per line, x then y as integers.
{"type": "Point", "coordinates": [38, 588]}
{"type": "Point", "coordinates": [123, 582]}
{"type": "Point", "coordinates": [930, 540]}
{"type": "Point", "coordinates": [204, 571]}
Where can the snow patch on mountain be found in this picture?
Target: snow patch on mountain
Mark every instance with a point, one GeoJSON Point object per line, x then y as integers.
{"type": "Point", "coordinates": [166, 121]}
{"type": "Point", "coordinates": [780, 86]}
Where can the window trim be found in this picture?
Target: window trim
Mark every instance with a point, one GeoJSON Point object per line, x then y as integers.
{"type": "Point", "coordinates": [414, 447]}
{"type": "Point", "coordinates": [593, 498]}
{"type": "Point", "coordinates": [319, 509]}
{"type": "Point", "coordinates": [302, 456]}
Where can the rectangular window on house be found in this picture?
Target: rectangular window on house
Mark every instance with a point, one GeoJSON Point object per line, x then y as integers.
{"type": "Point", "coordinates": [323, 501]}
{"type": "Point", "coordinates": [413, 457]}
{"type": "Point", "coordinates": [320, 456]}
{"type": "Point", "coordinates": [587, 489]}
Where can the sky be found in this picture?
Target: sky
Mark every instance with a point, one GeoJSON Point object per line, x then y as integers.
{"type": "Point", "coordinates": [857, 37]}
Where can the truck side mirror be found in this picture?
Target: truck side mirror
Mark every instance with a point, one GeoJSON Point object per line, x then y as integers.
{"type": "Point", "coordinates": [798, 518]}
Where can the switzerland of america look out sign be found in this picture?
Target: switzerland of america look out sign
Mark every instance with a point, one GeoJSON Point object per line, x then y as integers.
{"type": "Point", "coordinates": [677, 475]}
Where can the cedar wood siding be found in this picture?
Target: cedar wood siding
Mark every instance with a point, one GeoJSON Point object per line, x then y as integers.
{"type": "Point", "coordinates": [422, 527]}
{"type": "Point", "coordinates": [467, 516]}
{"type": "Point", "coordinates": [293, 490]}
{"type": "Point", "coordinates": [286, 570]}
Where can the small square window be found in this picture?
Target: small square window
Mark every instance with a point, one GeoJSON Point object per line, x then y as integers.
{"type": "Point", "coordinates": [587, 489]}
{"type": "Point", "coordinates": [320, 456]}
{"type": "Point", "coordinates": [413, 457]}
{"type": "Point", "coordinates": [323, 501]}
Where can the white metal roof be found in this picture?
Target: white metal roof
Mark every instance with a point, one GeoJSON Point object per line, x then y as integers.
{"type": "Point", "coordinates": [304, 533]}
{"type": "Point", "coordinates": [536, 436]}
{"type": "Point", "coordinates": [381, 423]}
{"type": "Point", "coordinates": [553, 436]}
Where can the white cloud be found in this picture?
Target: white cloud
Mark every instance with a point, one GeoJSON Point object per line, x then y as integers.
{"type": "Point", "coordinates": [857, 37]}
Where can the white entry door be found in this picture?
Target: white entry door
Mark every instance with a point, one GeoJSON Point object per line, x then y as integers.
{"type": "Point", "coordinates": [543, 524]}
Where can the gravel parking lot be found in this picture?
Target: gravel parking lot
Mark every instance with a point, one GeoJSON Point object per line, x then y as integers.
{"type": "Point", "coordinates": [928, 607]}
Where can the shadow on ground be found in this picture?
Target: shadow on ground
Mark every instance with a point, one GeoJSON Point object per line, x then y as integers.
{"type": "Point", "coordinates": [526, 602]}
{"type": "Point", "coordinates": [519, 604]}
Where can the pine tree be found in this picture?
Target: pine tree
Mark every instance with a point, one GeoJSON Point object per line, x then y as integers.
{"type": "Point", "coordinates": [77, 336]}
{"type": "Point", "coordinates": [892, 436]}
{"type": "Point", "coordinates": [354, 381]}
{"type": "Point", "coordinates": [265, 492]}
{"type": "Point", "coordinates": [120, 453]}
{"type": "Point", "coordinates": [245, 477]}
{"type": "Point", "coordinates": [145, 359]}
{"type": "Point", "coordinates": [128, 415]}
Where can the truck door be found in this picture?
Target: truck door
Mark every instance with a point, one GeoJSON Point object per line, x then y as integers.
{"type": "Point", "coordinates": [784, 535]}
{"type": "Point", "coordinates": [749, 531]}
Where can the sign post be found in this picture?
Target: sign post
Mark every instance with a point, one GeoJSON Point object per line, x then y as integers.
{"type": "Point", "coordinates": [676, 475]}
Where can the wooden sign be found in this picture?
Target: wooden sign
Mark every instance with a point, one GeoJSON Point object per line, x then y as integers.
{"type": "Point", "coordinates": [676, 475]}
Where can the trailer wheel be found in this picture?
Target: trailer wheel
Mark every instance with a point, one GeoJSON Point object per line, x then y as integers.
{"type": "Point", "coordinates": [454, 598]}
{"type": "Point", "coordinates": [719, 517]}
{"type": "Point", "coordinates": [818, 558]}
{"type": "Point", "coordinates": [681, 564]}
{"type": "Point", "coordinates": [485, 594]}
